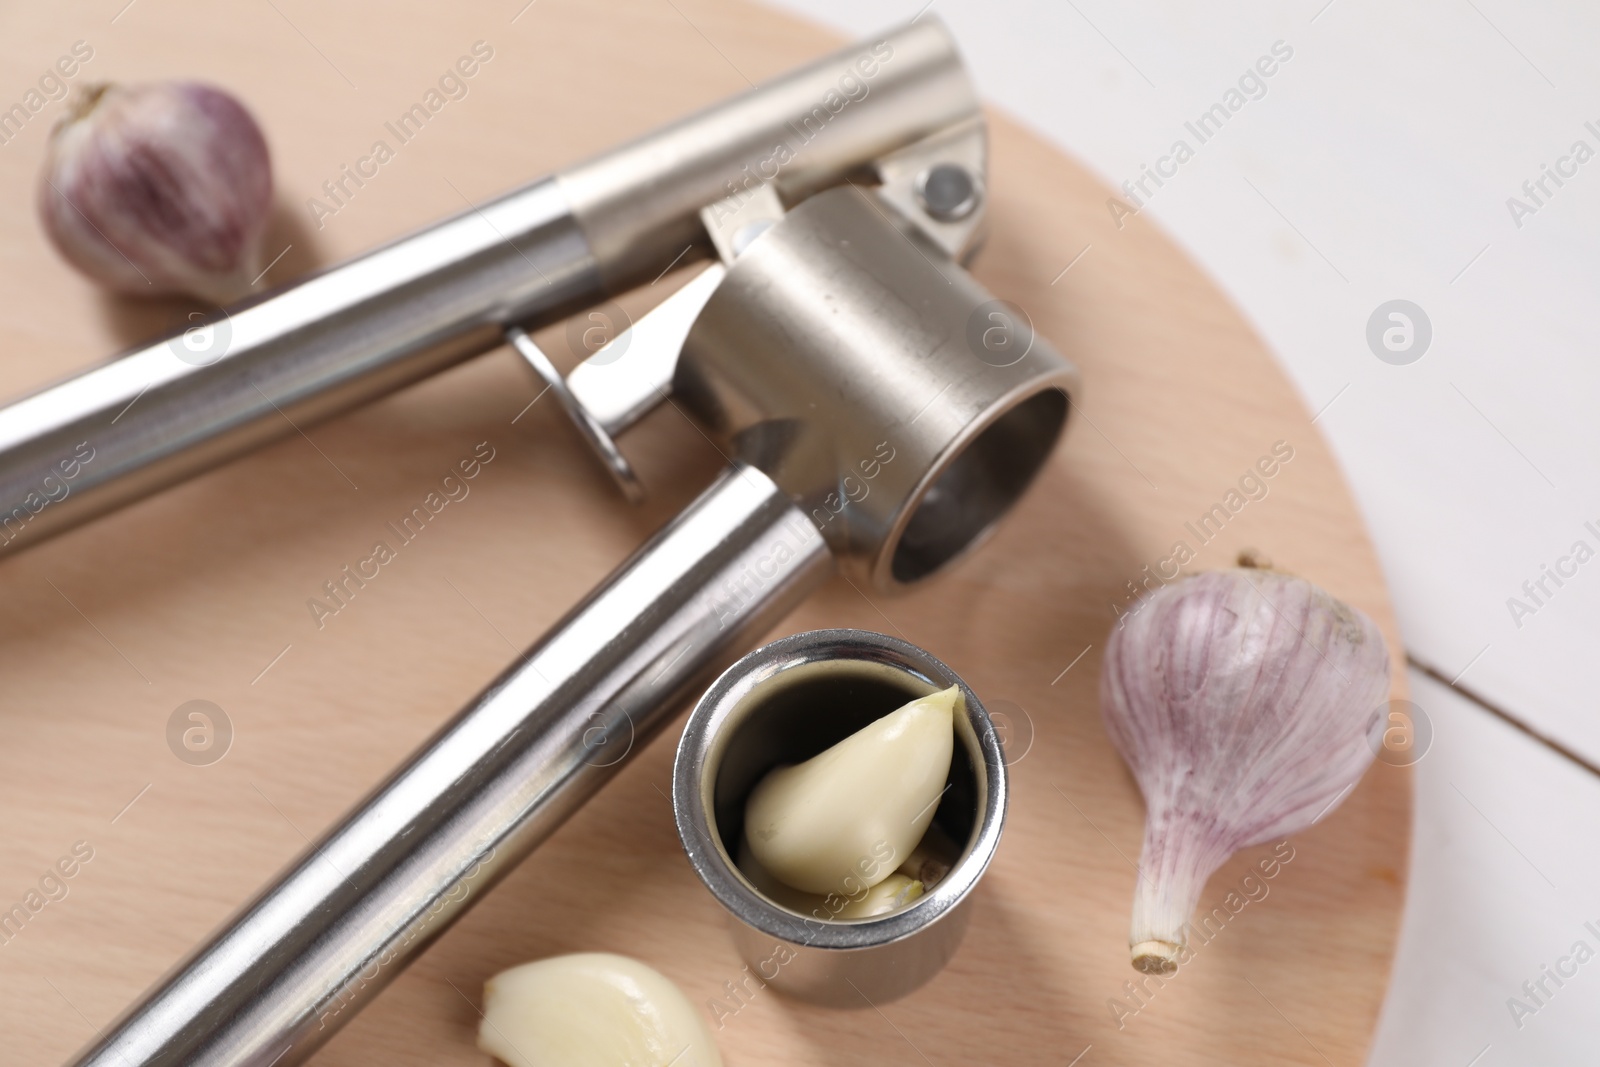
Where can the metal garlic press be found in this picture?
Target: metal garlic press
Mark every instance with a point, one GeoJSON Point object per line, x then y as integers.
{"type": "Point", "coordinates": [880, 411]}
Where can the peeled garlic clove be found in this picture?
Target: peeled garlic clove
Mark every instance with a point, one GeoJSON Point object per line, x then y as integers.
{"type": "Point", "coordinates": [843, 820]}
{"type": "Point", "coordinates": [932, 859]}
{"type": "Point", "coordinates": [158, 189]}
{"type": "Point", "coordinates": [770, 887]}
{"type": "Point", "coordinates": [891, 894]}
{"type": "Point", "coordinates": [591, 1009]}
{"type": "Point", "coordinates": [1243, 701]}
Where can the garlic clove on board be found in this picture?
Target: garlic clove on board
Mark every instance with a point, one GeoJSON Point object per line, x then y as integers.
{"type": "Point", "coordinates": [843, 820]}
{"type": "Point", "coordinates": [591, 1009]}
{"type": "Point", "coordinates": [158, 189]}
{"type": "Point", "coordinates": [1243, 701]}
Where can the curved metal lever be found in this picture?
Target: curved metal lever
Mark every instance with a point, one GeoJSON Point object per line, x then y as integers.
{"type": "Point", "coordinates": [593, 432]}
{"type": "Point", "coordinates": [633, 372]}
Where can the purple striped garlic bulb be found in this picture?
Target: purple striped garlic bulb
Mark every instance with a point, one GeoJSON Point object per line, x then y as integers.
{"type": "Point", "coordinates": [1244, 701]}
{"type": "Point", "coordinates": [158, 189]}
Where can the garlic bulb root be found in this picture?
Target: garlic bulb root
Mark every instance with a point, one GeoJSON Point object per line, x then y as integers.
{"type": "Point", "coordinates": [1174, 864]}
{"type": "Point", "coordinates": [1243, 701]}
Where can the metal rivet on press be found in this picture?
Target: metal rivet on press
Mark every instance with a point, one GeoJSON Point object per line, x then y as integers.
{"type": "Point", "coordinates": [947, 192]}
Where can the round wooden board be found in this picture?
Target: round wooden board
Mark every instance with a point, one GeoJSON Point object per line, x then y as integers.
{"type": "Point", "coordinates": [201, 592]}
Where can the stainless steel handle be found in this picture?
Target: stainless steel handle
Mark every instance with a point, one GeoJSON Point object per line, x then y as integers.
{"type": "Point", "coordinates": [182, 405]}
{"type": "Point", "coordinates": [349, 914]}
{"type": "Point", "coordinates": [345, 917]}
{"type": "Point", "coordinates": [169, 410]}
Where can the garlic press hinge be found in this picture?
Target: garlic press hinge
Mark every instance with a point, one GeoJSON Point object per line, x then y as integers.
{"type": "Point", "coordinates": [935, 185]}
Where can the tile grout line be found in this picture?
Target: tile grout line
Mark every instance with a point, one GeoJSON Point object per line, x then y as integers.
{"type": "Point", "coordinates": [1502, 714]}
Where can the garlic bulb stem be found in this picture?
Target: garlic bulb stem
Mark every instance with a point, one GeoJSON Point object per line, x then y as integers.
{"type": "Point", "coordinates": [1174, 865]}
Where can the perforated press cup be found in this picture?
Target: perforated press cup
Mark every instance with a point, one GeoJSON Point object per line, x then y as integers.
{"type": "Point", "coordinates": [782, 704]}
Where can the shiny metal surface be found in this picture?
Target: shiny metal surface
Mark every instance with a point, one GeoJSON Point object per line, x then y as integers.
{"type": "Point", "coordinates": [735, 222]}
{"type": "Point", "coordinates": [176, 407]}
{"type": "Point", "coordinates": [592, 429]}
{"type": "Point", "coordinates": [179, 406]}
{"type": "Point", "coordinates": [631, 373]}
{"type": "Point", "coordinates": [843, 355]}
{"type": "Point", "coordinates": [797, 388]}
{"type": "Point", "coordinates": [348, 915]}
{"type": "Point", "coordinates": [902, 176]}
{"type": "Point", "coordinates": [784, 703]}
{"type": "Point", "coordinates": [805, 131]}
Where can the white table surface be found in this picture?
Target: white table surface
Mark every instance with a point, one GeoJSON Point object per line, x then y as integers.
{"type": "Point", "coordinates": [1377, 166]}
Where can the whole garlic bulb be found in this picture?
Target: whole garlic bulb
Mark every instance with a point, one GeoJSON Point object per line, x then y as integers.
{"type": "Point", "coordinates": [1243, 701]}
{"type": "Point", "coordinates": [158, 189]}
